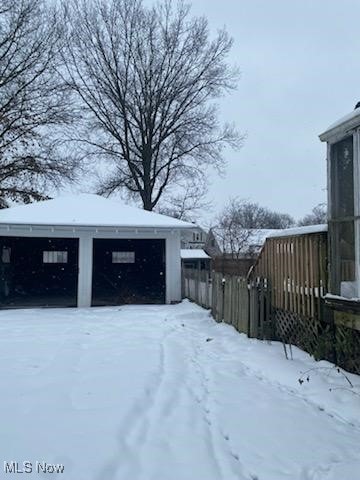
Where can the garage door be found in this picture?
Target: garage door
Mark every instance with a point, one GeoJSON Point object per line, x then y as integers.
{"type": "Point", "coordinates": [38, 272]}
{"type": "Point", "coordinates": [128, 271]}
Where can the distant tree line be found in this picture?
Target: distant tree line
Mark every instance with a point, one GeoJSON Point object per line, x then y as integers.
{"type": "Point", "coordinates": [238, 227]}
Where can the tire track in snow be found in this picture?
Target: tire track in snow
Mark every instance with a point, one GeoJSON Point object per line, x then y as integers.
{"type": "Point", "coordinates": [165, 399]}
{"type": "Point", "coordinates": [202, 401]}
{"type": "Point", "coordinates": [172, 396]}
{"type": "Point", "coordinates": [219, 442]}
{"type": "Point", "coordinates": [133, 431]}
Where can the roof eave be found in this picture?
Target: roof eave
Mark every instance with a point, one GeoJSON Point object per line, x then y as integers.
{"type": "Point", "coordinates": [29, 225]}
{"type": "Point", "coordinates": [342, 130]}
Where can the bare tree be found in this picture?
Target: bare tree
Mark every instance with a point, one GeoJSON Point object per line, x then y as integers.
{"type": "Point", "coordinates": [187, 203]}
{"type": "Point", "coordinates": [253, 216]}
{"type": "Point", "coordinates": [229, 231]}
{"type": "Point", "coordinates": [317, 216]}
{"type": "Point", "coordinates": [147, 78]}
{"type": "Point", "coordinates": [238, 227]}
{"type": "Point", "coordinates": [32, 103]}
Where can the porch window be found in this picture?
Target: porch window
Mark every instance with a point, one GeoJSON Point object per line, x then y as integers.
{"type": "Point", "coordinates": [343, 222]}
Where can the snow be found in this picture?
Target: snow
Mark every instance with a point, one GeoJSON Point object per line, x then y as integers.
{"type": "Point", "coordinates": [355, 114]}
{"type": "Point", "coordinates": [289, 232]}
{"type": "Point", "coordinates": [87, 210]}
{"type": "Point", "coordinates": [166, 393]}
{"type": "Point", "coordinates": [330, 296]}
{"type": "Point", "coordinates": [258, 236]}
{"type": "Point", "coordinates": [190, 253]}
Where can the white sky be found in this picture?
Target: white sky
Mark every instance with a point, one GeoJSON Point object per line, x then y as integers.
{"type": "Point", "coordinates": [300, 65]}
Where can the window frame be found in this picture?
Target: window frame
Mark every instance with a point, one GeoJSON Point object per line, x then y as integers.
{"type": "Point", "coordinates": [335, 280]}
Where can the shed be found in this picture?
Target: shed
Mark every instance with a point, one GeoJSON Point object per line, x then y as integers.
{"type": "Point", "coordinates": [195, 258]}
{"type": "Point", "coordinates": [85, 250]}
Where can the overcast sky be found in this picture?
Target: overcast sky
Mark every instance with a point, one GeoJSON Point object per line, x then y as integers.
{"type": "Point", "coordinates": [300, 65]}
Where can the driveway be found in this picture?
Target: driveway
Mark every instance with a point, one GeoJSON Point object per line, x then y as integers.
{"type": "Point", "coordinates": [165, 393]}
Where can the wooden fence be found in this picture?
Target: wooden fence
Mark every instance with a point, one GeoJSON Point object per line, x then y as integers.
{"type": "Point", "coordinates": [296, 268]}
{"type": "Point", "coordinates": [232, 299]}
{"type": "Point", "coordinates": [197, 286]}
{"type": "Point", "coordinates": [281, 299]}
{"type": "Point", "coordinates": [289, 275]}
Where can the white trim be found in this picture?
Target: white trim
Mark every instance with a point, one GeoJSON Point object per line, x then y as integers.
{"type": "Point", "coordinates": [68, 231]}
{"type": "Point", "coordinates": [329, 183]}
{"type": "Point", "coordinates": [173, 268]}
{"type": "Point", "coordinates": [356, 164]}
{"type": "Point", "coordinates": [85, 271]}
{"type": "Point", "coordinates": [342, 127]}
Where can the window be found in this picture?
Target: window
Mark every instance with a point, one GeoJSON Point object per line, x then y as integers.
{"type": "Point", "coordinates": [342, 179]}
{"type": "Point", "coordinates": [5, 255]}
{"type": "Point", "coordinates": [123, 257]}
{"type": "Point", "coordinates": [55, 256]}
{"type": "Point", "coordinates": [343, 222]}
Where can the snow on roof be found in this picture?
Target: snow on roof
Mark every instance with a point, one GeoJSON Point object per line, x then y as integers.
{"type": "Point", "coordinates": [352, 117]}
{"type": "Point", "coordinates": [192, 253]}
{"type": "Point", "coordinates": [87, 210]}
{"type": "Point", "coordinates": [289, 232]}
{"type": "Point", "coordinates": [258, 236]}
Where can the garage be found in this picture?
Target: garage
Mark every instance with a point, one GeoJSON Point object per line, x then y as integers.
{"type": "Point", "coordinates": [128, 271]}
{"type": "Point", "coordinates": [85, 250]}
{"type": "Point", "coordinates": [38, 272]}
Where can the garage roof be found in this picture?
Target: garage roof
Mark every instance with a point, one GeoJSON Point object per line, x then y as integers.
{"type": "Point", "coordinates": [87, 210]}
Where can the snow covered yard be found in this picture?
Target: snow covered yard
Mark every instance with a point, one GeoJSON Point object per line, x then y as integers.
{"type": "Point", "coordinates": [165, 393]}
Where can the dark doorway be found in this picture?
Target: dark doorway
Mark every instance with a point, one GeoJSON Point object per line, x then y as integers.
{"type": "Point", "coordinates": [128, 272]}
{"type": "Point", "coordinates": [38, 272]}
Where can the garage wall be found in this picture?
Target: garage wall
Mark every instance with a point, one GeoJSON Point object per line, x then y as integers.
{"type": "Point", "coordinates": [173, 268]}
{"type": "Point", "coordinates": [86, 235]}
